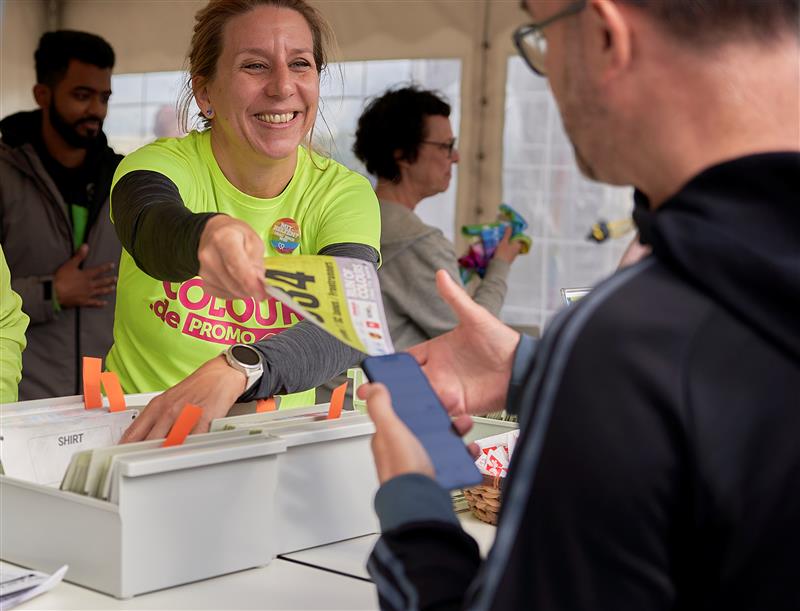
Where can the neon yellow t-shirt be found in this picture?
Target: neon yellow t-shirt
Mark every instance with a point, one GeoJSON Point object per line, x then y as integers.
{"type": "Point", "coordinates": [163, 331]}
{"type": "Point", "coordinates": [13, 322]}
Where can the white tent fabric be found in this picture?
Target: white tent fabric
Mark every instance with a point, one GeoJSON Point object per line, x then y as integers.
{"type": "Point", "coordinates": [154, 35]}
{"type": "Point", "coordinates": [499, 116]}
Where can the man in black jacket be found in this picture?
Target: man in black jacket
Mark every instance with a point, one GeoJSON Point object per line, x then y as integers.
{"type": "Point", "coordinates": [55, 177]}
{"type": "Point", "coordinates": [658, 465]}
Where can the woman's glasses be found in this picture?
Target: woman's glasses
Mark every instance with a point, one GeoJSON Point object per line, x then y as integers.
{"type": "Point", "coordinates": [449, 147]}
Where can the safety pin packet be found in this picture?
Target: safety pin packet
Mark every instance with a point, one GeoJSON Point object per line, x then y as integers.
{"type": "Point", "coordinates": [495, 453]}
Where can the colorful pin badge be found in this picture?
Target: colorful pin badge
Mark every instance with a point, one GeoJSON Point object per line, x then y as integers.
{"type": "Point", "coordinates": [285, 235]}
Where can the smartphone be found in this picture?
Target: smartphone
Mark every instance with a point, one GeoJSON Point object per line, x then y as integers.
{"type": "Point", "coordinates": [420, 409]}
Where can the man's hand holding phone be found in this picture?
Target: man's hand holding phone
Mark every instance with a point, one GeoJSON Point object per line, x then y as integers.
{"type": "Point", "coordinates": [397, 451]}
{"type": "Point", "coordinates": [415, 435]}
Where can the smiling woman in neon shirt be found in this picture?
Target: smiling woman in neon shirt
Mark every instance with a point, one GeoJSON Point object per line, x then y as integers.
{"type": "Point", "coordinates": [198, 214]}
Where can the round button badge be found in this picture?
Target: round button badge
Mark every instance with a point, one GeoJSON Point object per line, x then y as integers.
{"type": "Point", "coordinates": [285, 235]}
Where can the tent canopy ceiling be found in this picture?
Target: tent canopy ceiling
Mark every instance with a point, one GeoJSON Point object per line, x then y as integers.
{"type": "Point", "coordinates": [154, 35]}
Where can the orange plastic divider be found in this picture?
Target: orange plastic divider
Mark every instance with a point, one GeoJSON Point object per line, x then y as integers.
{"type": "Point", "coordinates": [266, 405]}
{"type": "Point", "coordinates": [337, 402]}
{"type": "Point", "coordinates": [188, 417]}
{"type": "Point", "coordinates": [116, 398]}
{"type": "Point", "coordinates": [92, 367]}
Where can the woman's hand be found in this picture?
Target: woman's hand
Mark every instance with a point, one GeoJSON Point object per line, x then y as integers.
{"type": "Point", "coordinates": [507, 249]}
{"type": "Point", "coordinates": [231, 257]}
{"type": "Point", "coordinates": [214, 387]}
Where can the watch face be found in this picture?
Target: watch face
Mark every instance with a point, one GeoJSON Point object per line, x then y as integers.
{"type": "Point", "coordinates": [245, 355]}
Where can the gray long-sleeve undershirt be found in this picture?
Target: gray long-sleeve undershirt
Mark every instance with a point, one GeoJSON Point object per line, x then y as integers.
{"type": "Point", "coordinates": [162, 236]}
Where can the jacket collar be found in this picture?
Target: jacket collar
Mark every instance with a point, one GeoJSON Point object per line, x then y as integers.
{"type": "Point", "coordinates": [732, 232]}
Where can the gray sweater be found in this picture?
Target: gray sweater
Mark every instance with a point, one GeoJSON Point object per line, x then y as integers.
{"type": "Point", "coordinates": [412, 252]}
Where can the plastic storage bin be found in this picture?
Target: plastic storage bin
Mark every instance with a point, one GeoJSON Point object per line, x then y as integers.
{"type": "Point", "coordinates": [326, 483]}
{"type": "Point", "coordinates": [180, 518]}
{"type": "Point", "coordinates": [485, 427]}
{"type": "Point", "coordinates": [326, 478]}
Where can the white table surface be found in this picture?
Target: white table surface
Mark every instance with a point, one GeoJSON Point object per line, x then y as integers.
{"type": "Point", "coordinates": [350, 557]}
{"type": "Point", "coordinates": [346, 557]}
{"type": "Point", "coordinates": [282, 584]}
{"type": "Point", "coordinates": [279, 585]}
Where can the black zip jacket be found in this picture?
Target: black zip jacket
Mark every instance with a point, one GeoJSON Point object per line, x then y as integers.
{"type": "Point", "coordinates": [658, 465]}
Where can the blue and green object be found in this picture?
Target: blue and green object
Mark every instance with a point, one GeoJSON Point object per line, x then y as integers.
{"type": "Point", "coordinates": [488, 237]}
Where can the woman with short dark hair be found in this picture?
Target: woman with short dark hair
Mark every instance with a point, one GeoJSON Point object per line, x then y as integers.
{"type": "Point", "coordinates": [404, 138]}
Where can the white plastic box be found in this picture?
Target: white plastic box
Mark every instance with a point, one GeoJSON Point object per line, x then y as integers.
{"type": "Point", "coordinates": [326, 480]}
{"type": "Point", "coordinates": [180, 518]}
{"type": "Point", "coordinates": [132, 401]}
{"type": "Point", "coordinates": [180, 521]}
{"type": "Point", "coordinates": [484, 427]}
{"type": "Point", "coordinates": [326, 483]}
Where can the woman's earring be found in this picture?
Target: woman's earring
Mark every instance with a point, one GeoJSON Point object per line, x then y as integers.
{"type": "Point", "coordinates": [209, 113]}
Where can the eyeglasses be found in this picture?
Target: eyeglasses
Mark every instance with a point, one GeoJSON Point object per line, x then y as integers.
{"type": "Point", "coordinates": [531, 42]}
{"type": "Point", "coordinates": [449, 147]}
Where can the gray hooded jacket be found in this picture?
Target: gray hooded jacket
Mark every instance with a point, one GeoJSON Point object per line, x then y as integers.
{"type": "Point", "coordinates": [36, 235]}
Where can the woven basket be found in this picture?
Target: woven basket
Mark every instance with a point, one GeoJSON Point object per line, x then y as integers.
{"type": "Point", "coordinates": [484, 499]}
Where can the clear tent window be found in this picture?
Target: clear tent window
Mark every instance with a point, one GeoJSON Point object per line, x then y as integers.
{"type": "Point", "coordinates": [142, 108]}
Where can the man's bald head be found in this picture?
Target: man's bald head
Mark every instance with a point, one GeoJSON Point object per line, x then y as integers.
{"type": "Point", "coordinates": [704, 21]}
{"type": "Point", "coordinates": [709, 22]}
{"type": "Point", "coordinates": [652, 91]}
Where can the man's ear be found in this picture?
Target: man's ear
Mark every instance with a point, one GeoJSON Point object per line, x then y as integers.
{"type": "Point", "coordinates": [43, 95]}
{"type": "Point", "coordinates": [610, 40]}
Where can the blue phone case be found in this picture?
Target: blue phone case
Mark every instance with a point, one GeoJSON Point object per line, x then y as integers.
{"type": "Point", "coordinates": [417, 405]}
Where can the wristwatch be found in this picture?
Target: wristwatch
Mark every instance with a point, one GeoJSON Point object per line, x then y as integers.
{"type": "Point", "coordinates": [246, 359]}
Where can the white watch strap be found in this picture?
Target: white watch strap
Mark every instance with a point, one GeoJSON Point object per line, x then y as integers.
{"type": "Point", "coordinates": [252, 378]}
